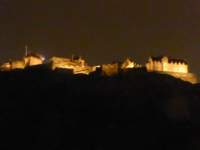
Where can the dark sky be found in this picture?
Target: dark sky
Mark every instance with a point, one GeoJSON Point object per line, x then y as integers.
{"type": "Point", "coordinates": [102, 30]}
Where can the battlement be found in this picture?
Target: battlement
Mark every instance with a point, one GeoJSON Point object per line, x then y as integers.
{"type": "Point", "coordinates": [177, 68]}
{"type": "Point", "coordinates": [165, 64]}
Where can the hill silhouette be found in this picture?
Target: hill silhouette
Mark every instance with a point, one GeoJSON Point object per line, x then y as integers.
{"type": "Point", "coordinates": [44, 109]}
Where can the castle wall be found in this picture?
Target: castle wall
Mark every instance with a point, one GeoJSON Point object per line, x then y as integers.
{"type": "Point", "coordinates": [17, 64]}
{"type": "Point", "coordinates": [6, 66]}
{"type": "Point", "coordinates": [83, 70]}
{"type": "Point", "coordinates": [21, 64]}
{"type": "Point", "coordinates": [154, 65]}
{"type": "Point", "coordinates": [110, 69]}
{"type": "Point", "coordinates": [127, 64]}
{"type": "Point", "coordinates": [80, 62]}
{"type": "Point", "coordinates": [157, 66]}
{"type": "Point", "coordinates": [149, 66]}
{"type": "Point", "coordinates": [78, 66]}
{"type": "Point", "coordinates": [165, 66]}
{"type": "Point", "coordinates": [58, 62]}
{"type": "Point", "coordinates": [176, 69]}
{"type": "Point", "coordinates": [32, 61]}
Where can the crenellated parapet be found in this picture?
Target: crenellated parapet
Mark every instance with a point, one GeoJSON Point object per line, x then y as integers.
{"type": "Point", "coordinates": [165, 64]}
{"type": "Point", "coordinates": [177, 68]}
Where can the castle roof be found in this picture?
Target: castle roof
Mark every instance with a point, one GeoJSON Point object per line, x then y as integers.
{"type": "Point", "coordinates": [170, 60]}
{"type": "Point", "coordinates": [31, 54]}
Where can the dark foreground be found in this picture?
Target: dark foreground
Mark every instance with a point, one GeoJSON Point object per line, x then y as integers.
{"type": "Point", "coordinates": [45, 110]}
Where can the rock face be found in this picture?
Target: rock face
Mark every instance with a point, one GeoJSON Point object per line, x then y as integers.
{"type": "Point", "coordinates": [45, 109]}
{"type": "Point", "coordinates": [190, 77]}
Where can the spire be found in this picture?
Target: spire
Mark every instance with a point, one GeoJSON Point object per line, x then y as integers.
{"type": "Point", "coordinates": [72, 57]}
{"type": "Point", "coordinates": [26, 50]}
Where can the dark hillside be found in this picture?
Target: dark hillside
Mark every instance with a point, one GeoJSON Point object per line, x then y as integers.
{"type": "Point", "coordinates": [44, 109]}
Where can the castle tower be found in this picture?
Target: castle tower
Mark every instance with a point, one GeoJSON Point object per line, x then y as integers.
{"type": "Point", "coordinates": [127, 64]}
{"type": "Point", "coordinates": [165, 64]}
{"type": "Point", "coordinates": [177, 68]}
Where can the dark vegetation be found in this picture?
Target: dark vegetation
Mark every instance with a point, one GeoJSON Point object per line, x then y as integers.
{"type": "Point", "coordinates": [42, 109]}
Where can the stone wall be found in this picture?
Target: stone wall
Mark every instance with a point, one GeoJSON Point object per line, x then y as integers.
{"type": "Point", "coordinates": [32, 61]}
{"type": "Point", "coordinates": [78, 65]}
{"type": "Point", "coordinates": [166, 66]}
{"type": "Point", "coordinates": [110, 69]}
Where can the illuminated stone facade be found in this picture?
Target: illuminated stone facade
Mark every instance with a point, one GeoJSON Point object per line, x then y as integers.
{"type": "Point", "coordinates": [128, 63]}
{"type": "Point", "coordinates": [33, 59]}
{"type": "Point", "coordinates": [78, 65]}
{"type": "Point", "coordinates": [165, 64]}
{"type": "Point", "coordinates": [114, 68]}
{"type": "Point", "coordinates": [110, 69]}
{"type": "Point", "coordinates": [174, 67]}
{"type": "Point", "coordinates": [30, 59]}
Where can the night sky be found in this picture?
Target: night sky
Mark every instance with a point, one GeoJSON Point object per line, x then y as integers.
{"type": "Point", "coordinates": [102, 30]}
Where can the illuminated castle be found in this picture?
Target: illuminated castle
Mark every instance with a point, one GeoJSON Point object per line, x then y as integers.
{"type": "Point", "coordinates": [175, 67]}
{"type": "Point", "coordinates": [77, 65]}
{"type": "Point", "coordinates": [114, 68]}
{"type": "Point", "coordinates": [30, 59]}
{"type": "Point", "coordinates": [165, 64]}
